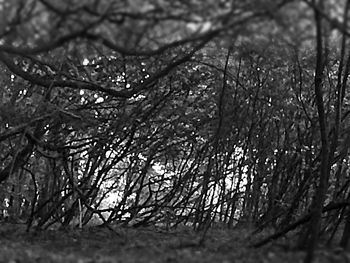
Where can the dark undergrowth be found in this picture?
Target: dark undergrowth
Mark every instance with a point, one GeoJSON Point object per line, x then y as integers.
{"type": "Point", "coordinates": [97, 244]}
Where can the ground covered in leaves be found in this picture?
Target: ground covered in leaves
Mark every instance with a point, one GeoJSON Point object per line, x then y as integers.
{"type": "Point", "coordinates": [124, 245]}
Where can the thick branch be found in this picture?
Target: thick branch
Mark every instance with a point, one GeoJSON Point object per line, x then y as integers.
{"type": "Point", "coordinates": [299, 222]}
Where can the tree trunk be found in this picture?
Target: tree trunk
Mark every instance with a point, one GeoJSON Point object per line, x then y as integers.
{"type": "Point", "coordinates": [317, 204]}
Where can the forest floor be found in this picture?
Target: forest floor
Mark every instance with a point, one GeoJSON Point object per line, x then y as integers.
{"type": "Point", "coordinates": [125, 245]}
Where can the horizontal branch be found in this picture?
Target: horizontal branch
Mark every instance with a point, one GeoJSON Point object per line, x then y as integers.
{"type": "Point", "coordinates": [299, 222]}
{"type": "Point", "coordinates": [49, 81]}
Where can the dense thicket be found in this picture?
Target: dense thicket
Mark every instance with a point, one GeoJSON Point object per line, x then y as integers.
{"type": "Point", "coordinates": [176, 112]}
